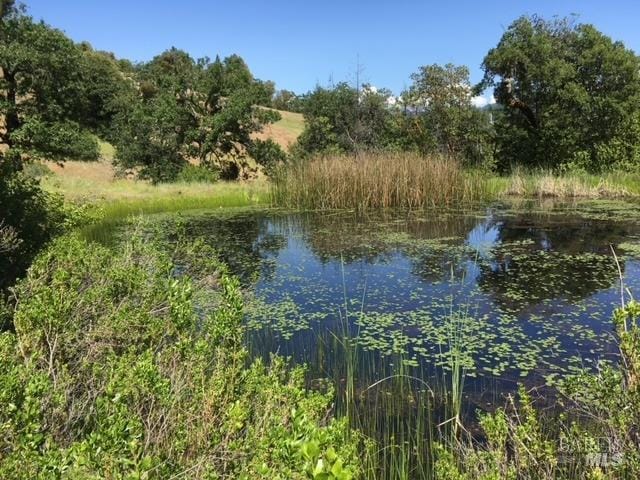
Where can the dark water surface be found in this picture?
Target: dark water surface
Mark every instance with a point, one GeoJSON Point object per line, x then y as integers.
{"type": "Point", "coordinates": [523, 293]}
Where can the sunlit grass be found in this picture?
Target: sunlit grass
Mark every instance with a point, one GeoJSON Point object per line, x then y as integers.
{"type": "Point", "coordinates": [168, 200]}
{"type": "Point", "coordinates": [292, 122]}
{"type": "Point", "coordinates": [370, 181]}
{"type": "Point", "coordinates": [544, 183]}
{"type": "Point", "coordinates": [88, 188]}
{"type": "Point", "coordinates": [191, 197]}
{"type": "Point", "coordinates": [113, 200]}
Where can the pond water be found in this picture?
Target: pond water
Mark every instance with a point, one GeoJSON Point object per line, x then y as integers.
{"type": "Point", "coordinates": [523, 293]}
{"type": "Point", "coordinates": [529, 289]}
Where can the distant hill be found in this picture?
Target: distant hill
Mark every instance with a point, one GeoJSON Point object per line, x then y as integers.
{"type": "Point", "coordinates": [285, 131]}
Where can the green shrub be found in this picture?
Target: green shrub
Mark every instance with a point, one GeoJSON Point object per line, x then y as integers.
{"type": "Point", "coordinates": [63, 140]}
{"type": "Point", "coordinates": [29, 218]}
{"type": "Point", "coordinates": [268, 154]}
{"type": "Point", "coordinates": [198, 174]}
{"type": "Point", "coordinates": [113, 372]}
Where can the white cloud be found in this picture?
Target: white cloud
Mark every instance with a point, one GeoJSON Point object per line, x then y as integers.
{"type": "Point", "coordinates": [479, 101]}
{"type": "Point", "coordinates": [482, 101]}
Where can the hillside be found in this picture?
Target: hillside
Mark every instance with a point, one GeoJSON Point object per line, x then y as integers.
{"type": "Point", "coordinates": [96, 180]}
{"type": "Point", "coordinates": [285, 131]}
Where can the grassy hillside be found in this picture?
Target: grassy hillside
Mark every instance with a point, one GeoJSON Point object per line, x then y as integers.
{"type": "Point", "coordinates": [95, 181]}
{"type": "Point", "coordinates": [285, 131]}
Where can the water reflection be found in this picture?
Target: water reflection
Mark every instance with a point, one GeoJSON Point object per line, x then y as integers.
{"type": "Point", "coordinates": [538, 285]}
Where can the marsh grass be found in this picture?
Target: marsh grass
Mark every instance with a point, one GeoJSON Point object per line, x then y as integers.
{"type": "Point", "coordinates": [543, 183]}
{"type": "Point", "coordinates": [372, 180]}
{"type": "Point", "coordinates": [410, 181]}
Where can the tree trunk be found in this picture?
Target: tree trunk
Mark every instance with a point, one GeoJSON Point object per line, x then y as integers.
{"type": "Point", "coordinates": [526, 110]}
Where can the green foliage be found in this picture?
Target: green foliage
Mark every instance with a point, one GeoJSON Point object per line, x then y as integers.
{"type": "Point", "coordinates": [61, 140]}
{"type": "Point", "coordinates": [286, 100]}
{"type": "Point", "coordinates": [444, 119]}
{"type": "Point", "coordinates": [106, 90]}
{"type": "Point", "coordinates": [318, 136]}
{"type": "Point", "coordinates": [198, 174]}
{"type": "Point", "coordinates": [6, 7]}
{"type": "Point", "coordinates": [345, 119]}
{"type": "Point", "coordinates": [151, 135]}
{"type": "Point", "coordinates": [190, 109]}
{"type": "Point", "coordinates": [40, 67]}
{"type": "Point", "coordinates": [41, 89]}
{"type": "Point", "coordinates": [571, 95]}
{"type": "Point", "coordinates": [268, 154]}
{"type": "Point", "coordinates": [29, 218]}
{"type": "Point", "coordinates": [517, 447]}
{"type": "Point", "coordinates": [114, 372]}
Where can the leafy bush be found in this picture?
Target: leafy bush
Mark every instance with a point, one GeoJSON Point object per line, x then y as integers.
{"type": "Point", "coordinates": [29, 218]}
{"type": "Point", "coordinates": [268, 154]}
{"type": "Point", "coordinates": [198, 173]}
{"type": "Point", "coordinates": [63, 140]}
{"type": "Point", "coordinates": [113, 372]}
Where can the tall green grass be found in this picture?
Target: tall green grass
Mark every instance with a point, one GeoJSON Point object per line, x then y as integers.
{"type": "Point", "coordinates": [109, 214]}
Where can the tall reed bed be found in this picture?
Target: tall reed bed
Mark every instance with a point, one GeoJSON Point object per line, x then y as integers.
{"type": "Point", "coordinates": [376, 180]}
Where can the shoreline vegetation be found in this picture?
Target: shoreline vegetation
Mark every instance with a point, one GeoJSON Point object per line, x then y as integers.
{"type": "Point", "coordinates": [370, 181]}
{"type": "Point", "coordinates": [126, 359]}
{"type": "Point", "coordinates": [330, 182]}
{"type": "Point", "coordinates": [124, 377]}
{"type": "Point", "coordinates": [405, 410]}
{"type": "Point", "coordinates": [404, 180]}
{"type": "Point", "coordinates": [159, 401]}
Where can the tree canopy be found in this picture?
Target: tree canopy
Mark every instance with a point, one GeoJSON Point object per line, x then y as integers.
{"type": "Point", "coordinates": [188, 109]}
{"type": "Point", "coordinates": [42, 89]}
{"type": "Point", "coordinates": [346, 119]}
{"type": "Point", "coordinates": [571, 96]}
{"type": "Point", "coordinates": [568, 97]}
{"type": "Point", "coordinates": [442, 117]}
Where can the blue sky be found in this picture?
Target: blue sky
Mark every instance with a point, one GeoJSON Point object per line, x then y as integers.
{"type": "Point", "coordinates": [299, 44]}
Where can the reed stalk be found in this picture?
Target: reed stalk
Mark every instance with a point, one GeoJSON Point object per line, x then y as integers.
{"type": "Point", "coordinates": [373, 181]}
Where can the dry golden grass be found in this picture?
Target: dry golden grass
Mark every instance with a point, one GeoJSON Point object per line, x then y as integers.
{"type": "Point", "coordinates": [377, 181]}
{"type": "Point", "coordinates": [546, 184]}
{"type": "Point", "coordinates": [285, 131]}
{"type": "Point", "coordinates": [101, 171]}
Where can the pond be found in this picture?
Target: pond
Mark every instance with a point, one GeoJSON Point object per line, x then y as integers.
{"type": "Point", "coordinates": [499, 295]}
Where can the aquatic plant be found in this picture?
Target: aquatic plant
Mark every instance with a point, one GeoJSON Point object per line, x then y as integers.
{"type": "Point", "coordinates": [371, 181]}
{"type": "Point", "coordinates": [594, 437]}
